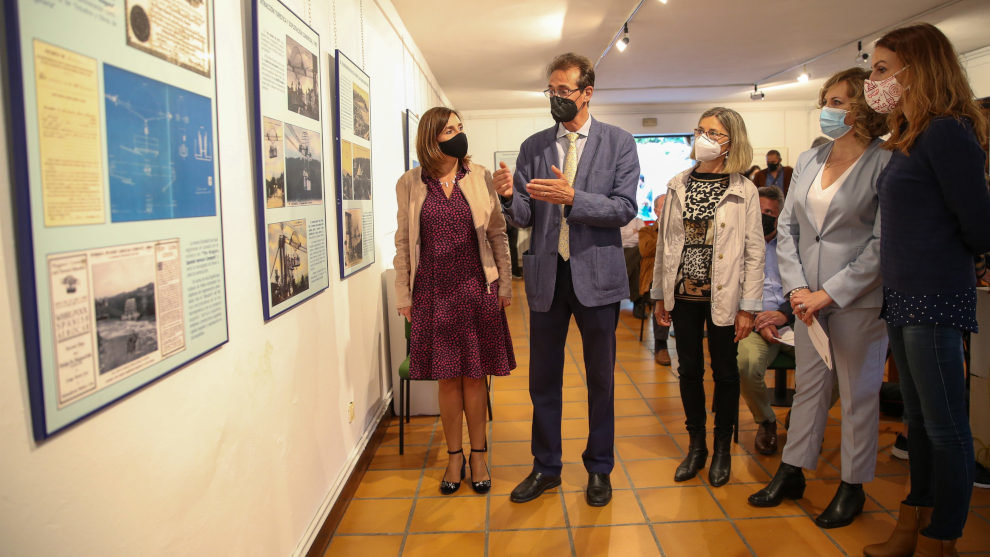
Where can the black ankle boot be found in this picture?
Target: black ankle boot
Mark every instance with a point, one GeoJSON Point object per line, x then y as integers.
{"type": "Point", "coordinates": [845, 506]}
{"type": "Point", "coordinates": [787, 482]}
{"type": "Point", "coordinates": [695, 459]}
{"type": "Point", "coordinates": [718, 472]}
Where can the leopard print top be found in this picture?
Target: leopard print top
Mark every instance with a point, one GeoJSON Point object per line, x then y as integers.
{"type": "Point", "coordinates": [702, 194]}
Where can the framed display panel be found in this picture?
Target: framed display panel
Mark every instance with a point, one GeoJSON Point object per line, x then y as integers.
{"type": "Point", "coordinates": [508, 157]}
{"type": "Point", "coordinates": [291, 213]}
{"type": "Point", "coordinates": [662, 156]}
{"type": "Point", "coordinates": [117, 197]}
{"type": "Point", "coordinates": [412, 128]}
{"type": "Point", "coordinates": [352, 143]}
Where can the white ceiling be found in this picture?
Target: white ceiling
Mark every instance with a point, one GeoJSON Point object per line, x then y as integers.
{"type": "Point", "coordinates": [491, 54]}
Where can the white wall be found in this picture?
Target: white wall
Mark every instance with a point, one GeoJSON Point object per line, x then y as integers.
{"type": "Point", "coordinates": [788, 127]}
{"type": "Point", "coordinates": [243, 451]}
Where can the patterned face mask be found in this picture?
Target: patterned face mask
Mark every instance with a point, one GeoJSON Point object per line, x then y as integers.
{"type": "Point", "coordinates": [883, 96]}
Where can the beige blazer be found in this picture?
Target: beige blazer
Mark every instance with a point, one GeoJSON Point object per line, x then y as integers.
{"type": "Point", "coordinates": [489, 224]}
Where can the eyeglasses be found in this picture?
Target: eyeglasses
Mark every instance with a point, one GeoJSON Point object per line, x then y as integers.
{"type": "Point", "coordinates": [550, 92]}
{"type": "Point", "coordinates": [712, 134]}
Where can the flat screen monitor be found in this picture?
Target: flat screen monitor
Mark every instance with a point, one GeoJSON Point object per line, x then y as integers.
{"type": "Point", "coordinates": [661, 157]}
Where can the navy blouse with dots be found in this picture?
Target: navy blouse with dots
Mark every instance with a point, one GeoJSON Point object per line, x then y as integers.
{"type": "Point", "coordinates": [934, 218]}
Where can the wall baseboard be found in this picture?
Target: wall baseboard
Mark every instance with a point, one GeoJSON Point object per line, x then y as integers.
{"type": "Point", "coordinates": [317, 536]}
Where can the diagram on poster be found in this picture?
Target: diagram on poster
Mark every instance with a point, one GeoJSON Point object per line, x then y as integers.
{"type": "Point", "coordinates": [291, 212]}
{"type": "Point", "coordinates": [159, 149]}
{"type": "Point", "coordinates": [355, 188]}
{"type": "Point", "coordinates": [118, 231]}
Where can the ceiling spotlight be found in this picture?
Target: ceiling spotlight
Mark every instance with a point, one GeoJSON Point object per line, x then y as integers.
{"type": "Point", "coordinates": [622, 43]}
{"type": "Point", "coordinates": [757, 95]}
{"type": "Point", "coordinates": [862, 58]}
{"type": "Point", "coordinates": [663, 1]}
{"type": "Point", "coordinates": [803, 78]}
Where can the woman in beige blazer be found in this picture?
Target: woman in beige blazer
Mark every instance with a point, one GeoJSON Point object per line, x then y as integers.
{"type": "Point", "coordinates": [452, 283]}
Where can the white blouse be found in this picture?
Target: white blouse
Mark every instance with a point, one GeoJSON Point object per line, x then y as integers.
{"type": "Point", "coordinates": [819, 199]}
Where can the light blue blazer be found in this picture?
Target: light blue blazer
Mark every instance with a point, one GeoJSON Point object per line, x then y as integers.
{"type": "Point", "coordinates": [604, 201]}
{"type": "Point", "coordinates": [843, 258]}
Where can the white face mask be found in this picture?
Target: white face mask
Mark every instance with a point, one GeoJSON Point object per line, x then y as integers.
{"type": "Point", "coordinates": [705, 149]}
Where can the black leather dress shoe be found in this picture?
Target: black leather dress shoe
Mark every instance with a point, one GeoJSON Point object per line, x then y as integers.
{"type": "Point", "coordinates": [844, 508]}
{"type": "Point", "coordinates": [533, 486]}
{"type": "Point", "coordinates": [599, 491]}
{"type": "Point", "coordinates": [787, 482]}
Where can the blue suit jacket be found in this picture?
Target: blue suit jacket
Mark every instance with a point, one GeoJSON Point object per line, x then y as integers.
{"type": "Point", "coordinates": [604, 201]}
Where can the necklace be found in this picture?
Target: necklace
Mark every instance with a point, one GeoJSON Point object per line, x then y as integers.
{"type": "Point", "coordinates": [830, 163]}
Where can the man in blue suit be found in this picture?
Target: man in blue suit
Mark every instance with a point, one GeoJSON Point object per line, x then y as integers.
{"type": "Point", "coordinates": [575, 266]}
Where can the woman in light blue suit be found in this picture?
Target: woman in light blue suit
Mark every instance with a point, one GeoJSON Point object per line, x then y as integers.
{"type": "Point", "coordinates": [829, 254]}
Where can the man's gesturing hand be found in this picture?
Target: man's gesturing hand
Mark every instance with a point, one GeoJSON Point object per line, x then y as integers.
{"type": "Point", "coordinates": [552, 190]}
{"type": "Point", "coordinates": [502, 180]}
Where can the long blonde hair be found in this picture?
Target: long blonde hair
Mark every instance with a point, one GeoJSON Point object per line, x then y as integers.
{"type": "Point", "coordinates": [740, 154]}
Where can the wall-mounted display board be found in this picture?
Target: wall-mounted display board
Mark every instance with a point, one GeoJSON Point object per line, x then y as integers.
{"type": "Point", "coordinates": [508, 157]}
{"type": "Point", "coordinates": [292, 230]}
{"type": "Point", "coordinates": [355, 206]}
{"type": "Point", "coordinates": [117, 196]}
{"type": "Point", "coordinates": [412, 128]}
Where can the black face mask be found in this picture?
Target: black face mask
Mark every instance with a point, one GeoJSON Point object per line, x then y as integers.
{"type": "Point", "coordinates": [563, 109]}
{"type": "Point", "coordinates": [769, 224]}
{"type": "Point", "coordinates": [456, 146]}
{"type": "Point", "coordinates": [773, 166]}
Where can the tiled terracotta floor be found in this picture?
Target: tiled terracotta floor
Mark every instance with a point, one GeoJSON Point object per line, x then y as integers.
{"type": "Point", "coordinates": [398, 509]}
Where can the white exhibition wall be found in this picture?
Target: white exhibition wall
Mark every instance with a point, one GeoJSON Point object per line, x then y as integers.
{"type": "Point", "coordinates": [243, 451]}
{"type": "Point", "coordinates": [789, 126]}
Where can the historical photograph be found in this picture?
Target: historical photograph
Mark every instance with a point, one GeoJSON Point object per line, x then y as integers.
{"type": "Point", "coordinates": [288, 260]}
{"type": "Point", "coordinates": [174, 30]}
{"type": "Point", "coordinates": [124, 304]}
{"type": "Point", "coordinates": [346, 169]}
{"type": "Point", "coordinates": [303, 166]}
{"type": "Point", "coordinates": [302, 79]}
{"type": "Point", "coordinates": [362, 172]}
{"type": "Point", "coordinates": [362, 113]}
{"type": "Point", "coordinates": [352, 237]}
{"type": "Point", "coordinates": [273, 153]}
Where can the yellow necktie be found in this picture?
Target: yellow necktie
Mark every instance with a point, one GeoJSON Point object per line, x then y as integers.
{"type": "Point", "coordinates": [570, 170]}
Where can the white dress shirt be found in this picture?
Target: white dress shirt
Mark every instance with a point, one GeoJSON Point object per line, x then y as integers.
{"type": "Point", "coordinates": [562, 142]}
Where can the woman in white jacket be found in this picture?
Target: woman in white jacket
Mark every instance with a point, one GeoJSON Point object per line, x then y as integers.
{"type": "Point", "coordinates": [709, 272]}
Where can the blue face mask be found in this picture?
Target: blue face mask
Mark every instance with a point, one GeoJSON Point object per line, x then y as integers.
{"type": "Point", "coordinates": [833, 122]}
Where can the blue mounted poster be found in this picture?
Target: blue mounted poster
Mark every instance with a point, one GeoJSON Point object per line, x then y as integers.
{"type": "Point", "coordinates": [120, 247]}
{"type": "Point", "coordinates": [291, 214]}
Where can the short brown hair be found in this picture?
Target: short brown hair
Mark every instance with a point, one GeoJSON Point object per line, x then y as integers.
{"type": "Point", "coordinates": [773, 194]}
{"type": "Point", "coordinates": [867, 124]}
{"type": "Point", "coordinates": [427, 148]}
{"type": "Point", "coordinates": [939, 86]}
{"type": "Point", "coordinates": [572, 60]}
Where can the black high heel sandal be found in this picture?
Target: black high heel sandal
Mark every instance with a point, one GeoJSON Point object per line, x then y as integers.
{"type": "Point", "coordinates": [483, 486]}
{"type": "Point", "coordinates": [449, 488]}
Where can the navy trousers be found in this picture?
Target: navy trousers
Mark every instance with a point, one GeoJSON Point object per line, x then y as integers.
{"type": "Point", "coordinates": [548, 336]}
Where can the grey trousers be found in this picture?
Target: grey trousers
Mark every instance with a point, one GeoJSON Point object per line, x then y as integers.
{"type": "Point", "coordinates": [859, 349]}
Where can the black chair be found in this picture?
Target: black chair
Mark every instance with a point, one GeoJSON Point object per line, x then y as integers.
{"type": "Point", "coordinates": [780, 395]}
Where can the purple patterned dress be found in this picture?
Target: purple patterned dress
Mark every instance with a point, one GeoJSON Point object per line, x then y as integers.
{"type": "Point", "coordinates": [457, 327]}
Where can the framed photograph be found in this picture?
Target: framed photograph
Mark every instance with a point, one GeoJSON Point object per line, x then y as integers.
{"type": "Point", "coordinates": [412, 128]}
{"type": "Point", "coordinates": [352, 142]}
{"type": "Point", "coordinates": [291, 213]}
{"type": "Point", "coordinates": [117, 200]}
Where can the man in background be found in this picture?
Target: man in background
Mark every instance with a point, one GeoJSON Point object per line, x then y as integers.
{"type": "Point", "coordinates": [774, 174]}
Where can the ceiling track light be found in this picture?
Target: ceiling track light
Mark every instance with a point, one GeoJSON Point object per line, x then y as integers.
{"type": "Point", "coordinates": [803, 78]}
{"type": "Point", "coordinates": [757, 95]}
{"type": "Point", "coordinates": [622, 43]}
{"type": "Point", "coordinates": [862, 58]}
{"type": "Point", "coordinates": [664, 2]}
